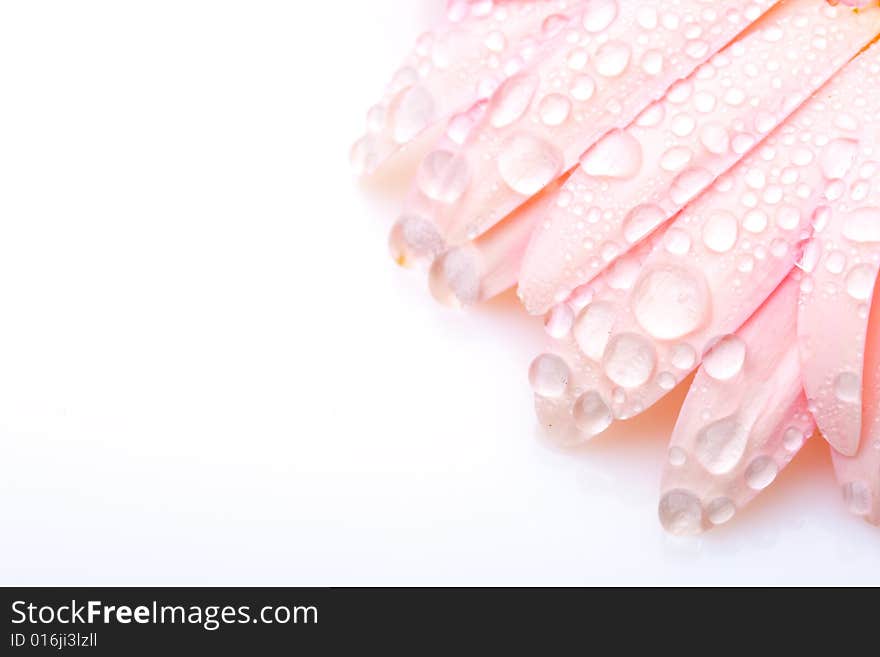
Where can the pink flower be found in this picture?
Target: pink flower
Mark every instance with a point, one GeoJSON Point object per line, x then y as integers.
{"type": "Point", "coordinates": [675, 194]}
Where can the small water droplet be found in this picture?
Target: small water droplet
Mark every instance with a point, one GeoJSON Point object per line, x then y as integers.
{"type": "Point", "coordinates": [599, 15]}
{"type": "Point", "coordinates": [591, 414]}
{"type": "Point", "coordinates": [593, 328]}
{"type": "Point", "coordinates": [720, 510]}
{"type": "Point", "coordinates": [761, 473]}
{"type": "Point", "coordinates": [512, 100]}
{"type": "Point", "coordinates": [670, 302]}
{"type": "Point", "coordinates": [528, 164]}
{"type": "Point", "coordinates": [617, 155]}
{"type": "Point", "coordinates": [629, 360]}
{"type": "Point", "coordinates": [720, 446]}
{"type": "Point", "coordinates": [443, 176]}
{"type": "Point", "coordinates": [683, 357]}
{"type": "Point", "coordinates": [554, 109]}
{"type": "Point", "coordinates": [681, 513]}
{"type": "Point", "coordinates": [848, 388]}
{"type": "Point", "coordinates": [612, 59]}
{"type": "Point", "coordinates": [720, 231]}
{"type": "Point", "coordinates": [688, 184]}
{"type": "Point", "coordinates": [860, 282]}
{"type": "Point", "coordinates": [857, 495]}
{"type": "Point", "coordinates": [837, 157]}
{"type": "Point", "coordinates": [642, 221]}
{"type": "Point", "coordinates": [677, 456]}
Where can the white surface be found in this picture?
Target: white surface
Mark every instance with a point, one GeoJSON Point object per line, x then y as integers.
{"type": "Point", "coordinates": [212, 373]}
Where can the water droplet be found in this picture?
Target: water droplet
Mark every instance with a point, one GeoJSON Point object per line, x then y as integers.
{"type": "Point", "coordinates": [681, 513]}
{"type": "Point", "coordinates": [857, 495]}
{"type": "Point", "coordinates": [676, 158]}
{"type": "Point", "coordinates": [860, 282]}
{"type": "Point", "coordinates": [559, 321]}
{"type": "Point", "coordinates": [443, 176]}
{"type": "Point", "coordinates": [591, 414]}
{"type": "Point", "coordinates": [612, 58]}
{"type": "Point", "coordinates": [683, 125]}
{"type": "Point", "coordinates": [715, 138]}
{"type": "Point", "coordinates": [837, 157]}
{"type": "Point", "coordinates": [554, 109]}
{"type": "Point", "coordinates": [677, 241]}
{"type": "Point", "coordinates": [720, 231]}
{"type": "Point", "coordinates": [725, 358]}
{"type": "Point", "coordinates": [688, 184]}
{"type": "Point", "coordinates": [549, 375]}
{"type": "Point", "coordinates": [647, 17]}
{"type": "Point", "coordinates": [617, 155]}
{"type": "Point", "coordinates": [593, 328]}
{"type": "Point", "coordinates": [642, 221]}
{"type": "Point", "coordinates": [677, 456]}
{"type": "Point", "coordinates": [582, 88]}
{"type": "Point", "coordinates": [652, 62]}
{"type": "Point", "coordinates": [666, 381]}
{"type": "Point", "coordinates": [848, 388]}
{"type": "Point", "coordinates": [512, 100]}
{"type": "Point", "coordinates": [414, 240]}
{"type": "Point", "coordinates": [527, 164]}
{"type": "Point", "coordinates": [629, 360]}
{"type": "Point", "coordinates": [720, 510]}
{"type": "Point", "coordinates": [863, 225]}
{"type": "Point", "coordinates": [411, 113]}
{"type": "Point", "coordinates": [599, 15]}
{"type": "Point", "coordinates": [761, 473]}
{"type": "Point", "coordinates": [670, 302]}
{"type": "Point", "coordinates": [755, 221]}
{"type": "Point", "coordinates": [788, 217]}
{"type": "Point", "coordinates": [720, 446]}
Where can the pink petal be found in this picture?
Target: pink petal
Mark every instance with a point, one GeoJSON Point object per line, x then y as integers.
{"type": "Point", "coordinates": [587, 78]}
{"type": "Point", "coordinates": [836, 297]}
{"type": "Point", "coordinates": [733, 437]}
{"type": "Point", "coordinates": [450, 69]}
{"type": "Point", "coordinates": [634, 180]}
{"type": "Point", "coordinates": [859, 475]}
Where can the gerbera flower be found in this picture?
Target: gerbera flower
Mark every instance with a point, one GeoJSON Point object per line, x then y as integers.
{"type": "Point", "coordinates": [677, 186]}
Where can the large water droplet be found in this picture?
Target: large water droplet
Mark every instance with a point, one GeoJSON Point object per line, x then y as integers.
{"type": "Point", "coordinates": [720, 446]}
{"type": "Point", "coordinates": [411, 113]}
{"type": "Point", "coordinates": [720, 510]}
{"type": "Point", "coordinates": [725, 358]}
{"type": "Point", "coordinates": [443, 176]}
{"type": "Point", "coordinates": [629, 360]}
{"type": "Point", "coordinates": [612, 58]}
{"type": "Point", "coordinates": [860, 282]}
{"type": "Point", "coordinates": [848, 388]}
{"type": "Point", "coordinates": [599, 15]}
{"type": "Point", "coordinates": [670, 302]}
{"type": "Point", "coordinates": [512, 100]}
{"type": "Point", "coordinates": [591, 414]}
{"type": "Point", "coordinates": [593, 328]}
{"type": "Point", "coordinates": [720, 231]}
{"type": "Point", "coordinates": [863, 225]}
{"type": "Point", "coordinates": [554, 109]}
{"type": "Point", "coordinates": [617, 155]}
{"type": "Point", "coordinates": [715, 138]}
{"type": "Point", "coordinates": [527, 164]}
{"type": "Point", "coordinates": [642, 221]}
{"type": "Point", "coordinates": [681, 513]}
{"type": "Point", "coordinates": [838, 156]}
{"type": "Point", "coordinates": [761, 473]}
{"type": "Point", "coordinates": [549, 375]}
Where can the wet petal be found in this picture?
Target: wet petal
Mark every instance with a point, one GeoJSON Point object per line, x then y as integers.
{"type": "Point", "coordinates": [587, 78]}
{"type": "Point", "coordinates": [836, 298]}
{"type": "Point", "coordinates": [734, 435]}
{"type": "Point", "coordinates": [634, 180]}
{"type": "Point", "coordinates": [451, 68]}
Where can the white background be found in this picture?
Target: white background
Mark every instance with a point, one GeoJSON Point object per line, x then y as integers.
{"type": "Point", "coordinates": [212, 373]}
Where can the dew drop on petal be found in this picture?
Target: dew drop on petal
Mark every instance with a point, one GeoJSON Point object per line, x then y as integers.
{"type": "Point", "coordinates": [443, 176]}
{"type": "Point", "coordinates": [720, 445]}
{"type": "Point", "coordinates": [863, 225]}
{"type": "Point", "coordinates": [593, 328]}
{"type": "Point", "coordinates": [549, 375]}
{"type": "Point", "coordinates": [641, 221]}
{"type": "Point", "coordinates": [599, 15]}
{"type": "Point", "coordinates": [720, 231]}
{"type": "Point", "coordinates": [554, 109]}
{"type": "Point", "coordinates": [617, 155]}
{"type": "Point", "coordinates": [629, 360]}
{"type": "Point", "coordinates": [720, 510]}
{"type": "Point", "coordinates": [793, 439]}
{"type": "Point", "coordinates": [715, 138]}
{"type": "Point", "coordinates": [591, 414]}
{"type": "Point", "coordinates": [683, 357]}
{"type": "Point", "coordinates": [860, 282]}
{"type": "Point", "coordinates": [612, 58]}
{"type": "Point", "coordinates": [582, 88]}
{"type": "Point", "coordinates": [848, 388]}
{"type": "Point", "coordinates": [681, 513]}
{"type": "Point", "coordinates": [670, 302]}
{"type": "Point", "coordinates": [688, 184]}
{"type": "Point", "coordinates": [726, 358]}
{"type": "Point", "coordinates": [837, 157]}
{"type": "Point", "coordinates": [761, 473]}
{"type": "Point", "coordinates": [527, 164]}
{"type": "Point", "coordinates": [677, 456]}
{"type": "Point", "coordinates": [512, 100]}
